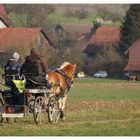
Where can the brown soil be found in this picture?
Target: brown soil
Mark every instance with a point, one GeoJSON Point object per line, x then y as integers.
{"type": "Point", "coordinates": [101, 105]}
{"type": "Point", "coordinates": [108, 85]}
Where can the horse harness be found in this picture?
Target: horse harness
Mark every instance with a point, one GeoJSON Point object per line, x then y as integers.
{"type": "Point", "coordinates": [69, 82]}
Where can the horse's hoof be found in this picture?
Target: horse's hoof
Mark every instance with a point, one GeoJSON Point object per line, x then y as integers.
{"type": "Point", "coordinates": [63, 119]}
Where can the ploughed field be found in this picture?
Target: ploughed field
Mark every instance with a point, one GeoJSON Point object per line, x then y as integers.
{"type": "Point", "coordinates": [95, 107]}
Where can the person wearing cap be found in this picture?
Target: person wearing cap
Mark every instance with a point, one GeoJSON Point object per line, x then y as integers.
{"type": "Point", "coordinates": [13, 67]}
{"type": "Point", "coordinates": [14, 60]}
{"type": "Point", "coordinates": [12, 71]}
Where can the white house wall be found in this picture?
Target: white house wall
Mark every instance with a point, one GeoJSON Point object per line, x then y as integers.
{"type": "Point", "coordinates": [2, 25]}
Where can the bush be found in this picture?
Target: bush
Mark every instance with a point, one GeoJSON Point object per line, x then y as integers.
{"type": "Point", "coordinates": [108, 60]}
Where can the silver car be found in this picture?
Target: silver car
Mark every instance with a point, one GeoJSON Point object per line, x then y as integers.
{"type": "Point", "coordinates": [100, 74]}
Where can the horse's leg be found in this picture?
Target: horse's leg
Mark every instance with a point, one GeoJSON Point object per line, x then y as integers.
{"type": "Point", "coordinates": [63, 102]}
{"type": "Point", "coordinates": [60, 104]}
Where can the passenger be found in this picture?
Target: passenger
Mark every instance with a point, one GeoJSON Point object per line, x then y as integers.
{"type": "Point", "coordinates": [14, 59]}
{"type": "Point", "coordinates": [12, 68]}
{"type": "Point", "coordinates": [12, 72]}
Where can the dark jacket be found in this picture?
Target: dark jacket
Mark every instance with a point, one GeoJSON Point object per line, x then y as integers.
{"type": "Point", "coordinates": [35, 58]}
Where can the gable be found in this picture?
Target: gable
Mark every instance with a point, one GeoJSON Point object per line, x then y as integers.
{"type": "Point", "coordinates": [4, 16]}
{"type": "Point", "coordinates": [134, 57]}
{"type": "Point", "coordinates": [134, 52]}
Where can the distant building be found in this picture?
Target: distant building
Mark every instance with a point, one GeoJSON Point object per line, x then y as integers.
{"type": "Point", "coordinates": [104, 21]}
{"type": "Point", "coordinates": [103, 39]}
{"type": "Point", "coordinates": [56, 32]}
{"type": "Point", "coordinates": [100, 20]}
{"type": "Point", "coordinates": [107, 21]}
{"type": "Point", "coordinates": [5, 20]}
{"type": "Point", "coordinates": [22, 40]}
{"type": "Point", "coordinates": [134, 57]}
{"type": "Point", "coordinates": [79, 32]}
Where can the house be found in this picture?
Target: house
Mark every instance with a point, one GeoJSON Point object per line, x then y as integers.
{"type": "Point", "coordinates": [5, 20]}
{"type": "Point", "coordinates": [103, 21]}
{"type": "Point", "coordinates": [56, 32]}
{"type": "Point", "coordinates": [22, 40]}
{"type": "Point", "coordinates": [103, 39]}
{"type": "Point", "coordinates": [100, 20]}
{"type": "Point", "coordinates": [107, 21]}
{"type": "Point", "coordinates": [76, 32]}
{"type": "Point", "coordinates": [134, 57]}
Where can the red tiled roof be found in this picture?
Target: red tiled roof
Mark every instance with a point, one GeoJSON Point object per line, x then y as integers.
{"type": "Point", "coordinates": [105, 34]}
{"type": "Point", "coordinates": [4, 16]}
{"type": "Point", "coordinates": [134, 57]}
{"type": "Point", "coordinates": [17, 37]}
{"type": "Point", "coordinates": [77, 28]}
{"type": "Point", "coordinates": [136, 44]}
{"type": "Point", "coordinates": [74, 30]}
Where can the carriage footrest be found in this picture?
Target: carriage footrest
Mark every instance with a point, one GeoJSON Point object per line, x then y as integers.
{"type": "Point", "coordinates": [37, 91]}
{"type": "Point", "coordinates": [12, 115]}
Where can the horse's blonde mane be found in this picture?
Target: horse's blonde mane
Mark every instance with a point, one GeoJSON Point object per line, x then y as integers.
{"type": "Point", "coordinates": [64, 65]}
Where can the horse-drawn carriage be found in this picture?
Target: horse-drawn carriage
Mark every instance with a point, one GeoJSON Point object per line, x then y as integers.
{"type": "Point", "coordinates": [37, 96]}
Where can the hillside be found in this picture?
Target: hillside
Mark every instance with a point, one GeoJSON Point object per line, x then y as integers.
{"type": "Point", "coordinates": [68, 13]}
{"type": "Point", "coordinates": [91, 8]}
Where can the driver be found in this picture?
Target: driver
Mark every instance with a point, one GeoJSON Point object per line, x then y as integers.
{"type": "Point", "coordinates": [35, 68]}
{"type": "Point", "coordinates": [34, 57]}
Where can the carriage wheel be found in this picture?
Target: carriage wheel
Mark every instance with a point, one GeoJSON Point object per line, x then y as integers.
{"type": "Point", "coordinates": [37, 109]}
{"type": "Point", "coordinates": [31, 105]}
{"type": "Point", "coordinates": [53, 110]}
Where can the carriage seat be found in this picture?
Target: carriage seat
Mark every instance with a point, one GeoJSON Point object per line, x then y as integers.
{"type": "Point", "coordinates": [33, 71]}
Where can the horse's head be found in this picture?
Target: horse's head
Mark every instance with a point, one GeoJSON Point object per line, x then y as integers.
{"type": "Point", "coordinates": [69, 69]}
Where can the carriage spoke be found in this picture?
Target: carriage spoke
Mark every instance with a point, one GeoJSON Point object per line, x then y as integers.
{"type": "Point", "coordinates": [37, 111]}
{"type": "Point", "coordinates": [53, 110]}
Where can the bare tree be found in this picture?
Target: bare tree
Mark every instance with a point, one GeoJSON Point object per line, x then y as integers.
{"type": "Point", "coordinates": [69, 13]}
{"type": "Point", "coordinates": [31, 15]}
{"type": "Point", "coordinates": [81, 13]}
{"type": "Point", "coordinates": [113, 12]}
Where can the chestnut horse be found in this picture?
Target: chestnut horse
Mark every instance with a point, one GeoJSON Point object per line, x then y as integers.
{"type": "Point", "coordinates": [61, 80]}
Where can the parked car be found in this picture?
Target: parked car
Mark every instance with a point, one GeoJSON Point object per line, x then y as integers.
{"type": "Point", "coordinates": [127, 74]}
{"type": "Point", "coordinates": [100, 74]}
